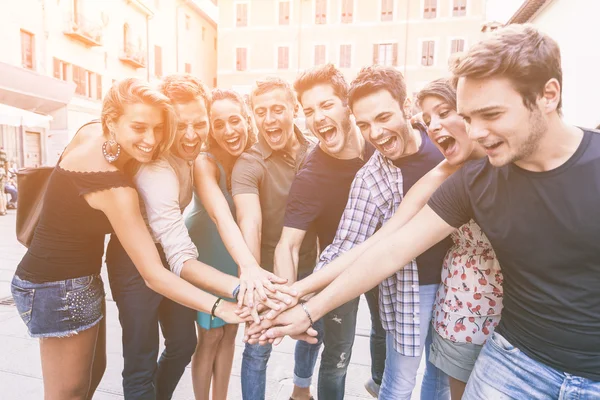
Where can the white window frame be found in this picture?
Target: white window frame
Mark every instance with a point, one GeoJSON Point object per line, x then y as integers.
{"type": "Point", "coordinates": [451, 38]}
{"type": "Point", "coordinates": [390, 42]}
{"type": "Point", "coordinates": [328, 11]}
{"type": "Point", "coordinates": [354, 7]}
{"type": "Point", "coordinates": [394, 11]}
{"type": "Point", "coordinates": [436, 51]}
{"type": "Point", "coordinates": [277, 12]}
{"type": "Point", "coordinates": [437, 11]}
{"type": "Point", "coordinates": [314, 59]}
{"type": "Point", "coordinates": [235, 59]}
{"type": "Point", "coordinates": [352, 48]}
{"type": "Point", "coordinates": [248, 8]}
{"type": "Point", "coordinates": [277, 46]}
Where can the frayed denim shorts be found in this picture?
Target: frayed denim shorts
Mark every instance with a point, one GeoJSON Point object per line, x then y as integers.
{"type": "Point", "coordinates": [60, 308]}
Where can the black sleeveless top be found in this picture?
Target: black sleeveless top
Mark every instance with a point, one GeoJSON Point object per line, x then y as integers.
{"type": "Point", "coordinates": [69, 239]}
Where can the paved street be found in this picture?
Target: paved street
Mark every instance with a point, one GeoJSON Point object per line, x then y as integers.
{"type": "Point", "coordinates": [20, 370]}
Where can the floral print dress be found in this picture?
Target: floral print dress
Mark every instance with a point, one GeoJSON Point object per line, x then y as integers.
{"type": "Point", "coordinates": [469, 300]}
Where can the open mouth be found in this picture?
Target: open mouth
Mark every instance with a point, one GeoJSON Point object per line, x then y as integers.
{"type": "Point", "coordinates": [492, 147]}
{"type": "Point", "coordinates": [274, 134]}
{"type": "Point", "coordinates": [328, 133]}
{"type": "Point", "coordinates": [234, 143]}
{"type": "Point", "coordinates": [447, 143]}
{"type": "Point", "coordinates": [190, 148]}
{"type": "Point", "coordinates": [387, 144]}
{"type": "Point", "coordinates": [145, 149]}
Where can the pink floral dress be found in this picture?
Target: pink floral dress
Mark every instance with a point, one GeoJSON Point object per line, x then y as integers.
{"type": "Point", "coordinates": [469, 300]}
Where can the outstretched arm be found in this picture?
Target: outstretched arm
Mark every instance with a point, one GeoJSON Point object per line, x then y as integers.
{"type": "Point", "coordinates": [412, 203]}
{"type": "Point", "coordinates": [121, 206]}
{"type": "Point", "coordinates": [252, 276]}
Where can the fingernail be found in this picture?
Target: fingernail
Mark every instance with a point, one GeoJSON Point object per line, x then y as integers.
{"type": "Point", "coordinates": [294, 293]}
{"type": "Point", "coordinates": [288, 301]}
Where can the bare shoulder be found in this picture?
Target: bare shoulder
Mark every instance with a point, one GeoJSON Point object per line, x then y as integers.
{"type": "Point", "coordinates": [122, 199]}
{"type": "Point", "coordinates": [84, 153]}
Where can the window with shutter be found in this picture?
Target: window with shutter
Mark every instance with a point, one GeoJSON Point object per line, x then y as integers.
{"type": "Point", "coordinates": [387, 10]}
{"type": "Point", "coordinates": [375, 54]}
{"type": "Point", "coordinates": [241, 12]}
{"type": "Point", "coordinates": [284, 13]}
{"type": "Point", "coordinates": [427, 49]}
{"type": "Point", "coordinates": [240, 62]}
{"type": "Point", "coordinates": [320, 11]}
{"type": "Point", "coordinates": [27, 50]}
{"type": "Point", "coordinates": [345, 56]}
{"type": "Point", "coordinates": [79, 75]}
{"type": "Point", "coordinates": [430, 10]}
{"type": "Point", "coordinates": [320, 54]}
{"type": "Point", "coordinates": [387, 54]}
{"type": "Point", "coordinates": [158, 69]}
{"type": "Point", "coordinates": [188, 68]}
{"type": "Point", "coordinates": [457, 45]}
{"type": "Point", "coordinates": [56, 66]}
{"type": "Point", "coordinates": [460, 8]}
{"type": "Point", "coordinates": [89, 76]}
{"type": "Point", "coordinates": [283, 57]}
{"type": "Point", "coordinates": [98, 87]}
{"type": "Point", "coordinates": [347, 11]}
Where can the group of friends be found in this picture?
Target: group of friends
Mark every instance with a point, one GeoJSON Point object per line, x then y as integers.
{"type": "Point", "coordinates": [469, 227]}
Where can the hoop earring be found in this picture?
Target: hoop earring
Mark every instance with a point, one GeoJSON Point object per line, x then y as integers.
{"type": "Point", "coordinates": [107, 150]}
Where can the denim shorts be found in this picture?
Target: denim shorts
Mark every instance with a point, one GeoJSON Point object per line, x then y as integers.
{"type": "Point", "coordinates": [455, 359]}
{"type": "Point", "coordinates": [60, 308]}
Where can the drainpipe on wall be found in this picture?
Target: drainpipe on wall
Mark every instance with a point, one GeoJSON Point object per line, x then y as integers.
{"type": "Point", "coordinates": [406, 38]}
{"type": "Point", "coordinates": [147, 47]}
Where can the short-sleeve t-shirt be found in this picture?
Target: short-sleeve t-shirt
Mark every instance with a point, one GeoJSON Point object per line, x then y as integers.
{"type": "Point", "coordinates": [270, 174]}
{"type": "Point", "coordinates": [320, 193]}
{"type": "Point", "coordinates": [545, 230]}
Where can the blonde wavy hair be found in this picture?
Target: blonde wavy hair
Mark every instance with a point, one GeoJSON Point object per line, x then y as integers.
{"type": "Point", "coordinates": [134, 91]}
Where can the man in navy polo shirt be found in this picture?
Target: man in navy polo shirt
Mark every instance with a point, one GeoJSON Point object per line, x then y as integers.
{"type": "Point", "coordinates": [317, 199]}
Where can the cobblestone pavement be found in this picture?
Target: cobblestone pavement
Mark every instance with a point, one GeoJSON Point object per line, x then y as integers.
{"type": "Point", "coordinates": [20, 370]}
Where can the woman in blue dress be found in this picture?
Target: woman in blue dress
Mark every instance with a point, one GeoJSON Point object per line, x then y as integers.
{"type": "Point", "coordinates": [212, 227]}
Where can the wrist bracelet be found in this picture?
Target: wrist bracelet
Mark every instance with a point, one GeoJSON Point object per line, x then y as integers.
{"type": "Point", "coordinates": [235, 292]}
{"type": "Point", "coordinates": [212, 313]}
{"type": "Point", "coordinates": [307, 313]}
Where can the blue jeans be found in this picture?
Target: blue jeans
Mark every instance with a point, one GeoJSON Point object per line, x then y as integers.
{"type": "Point", "coordinates": [400, 373]}
{"type": "Point", "coordinates": [254, 365]}
{"type": "Point", "coordinates": [340, 329]}
{"type": "Point", "coordinates": [502, 371]}
{"type": "Point", "coordinates": [141, 312]}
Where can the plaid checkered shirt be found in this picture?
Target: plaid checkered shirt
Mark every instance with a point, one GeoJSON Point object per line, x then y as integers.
{"type": "Point", "coordinates": [376, 193]}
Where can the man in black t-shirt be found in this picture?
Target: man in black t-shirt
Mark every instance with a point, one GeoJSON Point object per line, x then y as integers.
{"type": "Point", "coordinates": [535, 197]}
{"type": "Point", "coordinates": [316, 200]}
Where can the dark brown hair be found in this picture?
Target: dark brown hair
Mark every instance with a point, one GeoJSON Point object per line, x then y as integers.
{"type": "Point", "coordinates": [326, 74]}
{"type": "Point", "coordinates": [441, 88]}
{"type": "Point", "coordinates": [374, 78]}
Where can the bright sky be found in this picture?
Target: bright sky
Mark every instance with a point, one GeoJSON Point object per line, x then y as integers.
{"type": "Point", "coordinates": [502, 10]}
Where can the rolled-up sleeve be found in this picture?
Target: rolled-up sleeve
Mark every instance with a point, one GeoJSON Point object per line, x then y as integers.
{"type": "Point", "coordinates": [158, 187]}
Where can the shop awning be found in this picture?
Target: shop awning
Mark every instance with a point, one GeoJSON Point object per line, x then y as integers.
{"type": "Point", "coordinates": [32, 91]}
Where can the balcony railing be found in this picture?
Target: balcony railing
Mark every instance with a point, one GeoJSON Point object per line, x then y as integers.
{"type": "Point", "coordinates": [84, 30]}
{"type": "Point", "coordinates": [134, 56]}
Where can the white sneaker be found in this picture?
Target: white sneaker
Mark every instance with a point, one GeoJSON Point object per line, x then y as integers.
{"type": "Point", "coordinates": [372, 388]}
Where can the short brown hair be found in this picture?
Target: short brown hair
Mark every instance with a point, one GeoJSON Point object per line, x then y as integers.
{"type": "Point", "coordinates": [520, 53]}
{"type": "Point", "coordinates": [326, 74]}
{"type": "Point", "coordinates": [441, 88]}
{"type": "Point", "coordinates": [375, 78]}
{"type": "Point", "coordinates": [183, 88]}
{"type": "Point", "coordinates": [269, 84]}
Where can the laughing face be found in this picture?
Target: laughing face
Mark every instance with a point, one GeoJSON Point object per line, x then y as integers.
{"type": "Point", "coordinates": [381, 121]}
{"type": "Point", "coordinates": [499, 121]}
{"type": "Point", "coordinates": [274, 113]}
{"type": "Point", "coordinates": [139, 130]}
{"type": "Point", "coordinates": [447, 131]}
{"type": "Point", "coordinates": [229, 126]}
{"type": "Point", "coordinates": [327, 118]}
{"type": "Point", "coordinates": [192, 129]}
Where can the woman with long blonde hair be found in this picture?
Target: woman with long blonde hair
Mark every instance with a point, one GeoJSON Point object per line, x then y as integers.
{"type": "Point", "coordinates": [57, 286]}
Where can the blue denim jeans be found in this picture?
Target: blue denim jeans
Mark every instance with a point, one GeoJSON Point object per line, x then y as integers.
{"type": "Point", "coordinates": [502, 371]}
{"type": "Point", "coordinates": [141, 312]}
{"type": "Point", "coordinates": [399, 377]}
{"type": "Point", "coordinates": [338, 339]}
{"type": "Point", "coordinates": [254, 365]}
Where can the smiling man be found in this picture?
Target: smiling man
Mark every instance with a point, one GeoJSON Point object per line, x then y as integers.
{"type": "Point", "coordinates": [261, 182]}
{"type": "Point", "coordinates": [404, 154]}
{"type": "Point", "coordinates": [165, 189]}
{"type": "Point", "coordinates": [316, 201]}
